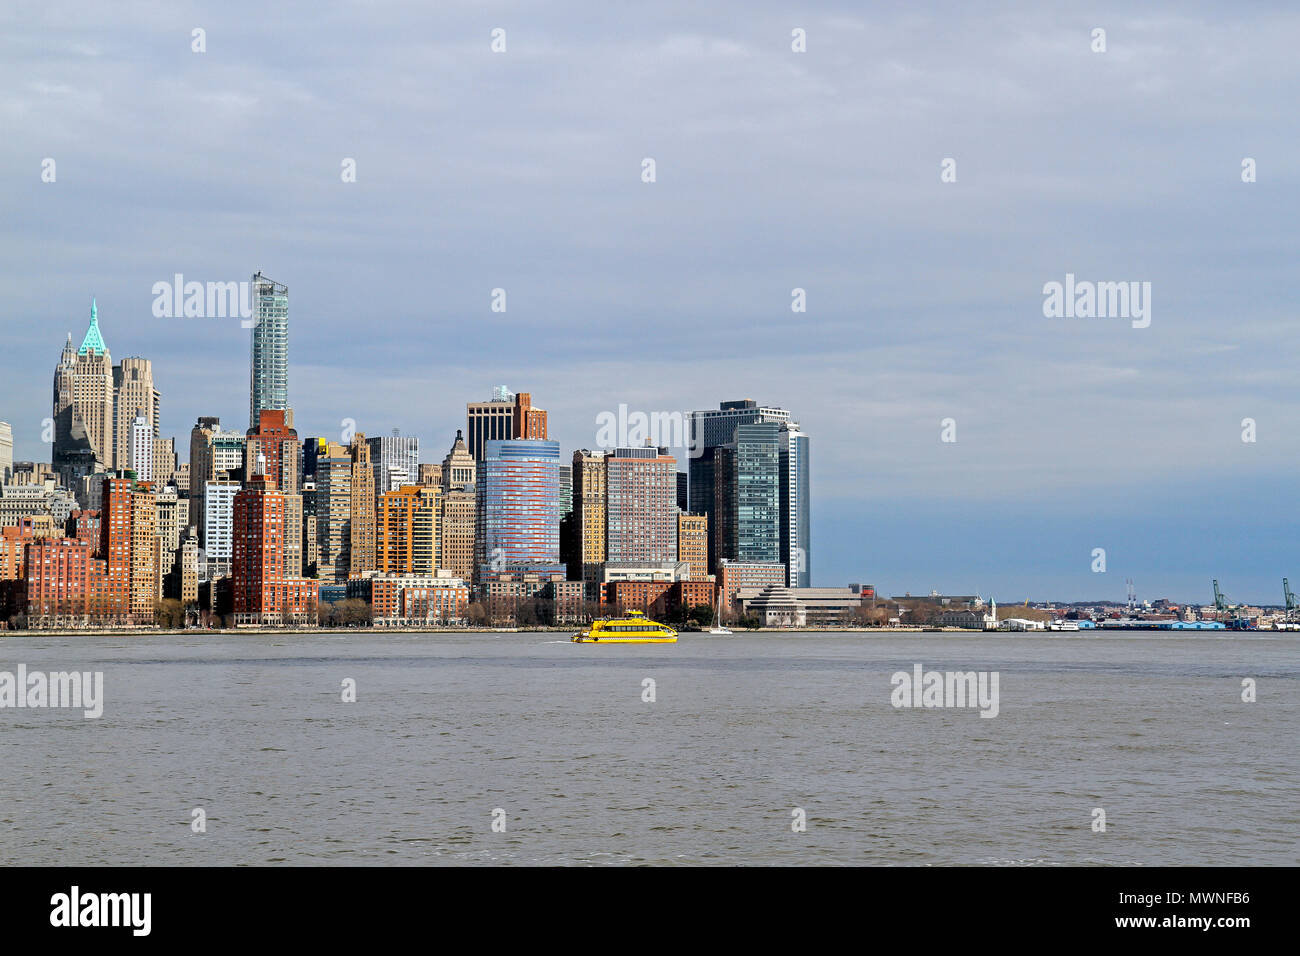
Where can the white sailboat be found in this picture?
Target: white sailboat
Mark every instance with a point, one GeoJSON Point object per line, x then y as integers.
{"type": "Point", "coordinates": [717, 627]}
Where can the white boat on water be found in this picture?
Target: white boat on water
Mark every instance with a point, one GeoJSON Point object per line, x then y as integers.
{"type": "Point", "coordinates": [717, 627]}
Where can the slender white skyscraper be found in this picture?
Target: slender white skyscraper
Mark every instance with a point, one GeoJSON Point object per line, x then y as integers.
{"type": "Point", "coordinates": [796, 507]}
{"type": "Point", "coordinates": [142, 447]}
{"type": "Point", "coordinates": [269, 361]}
{"type": "Point", "coordinates": [6, 452]}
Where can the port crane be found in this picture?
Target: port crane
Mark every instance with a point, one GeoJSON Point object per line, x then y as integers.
{"type": "Point", "coordinates": [1219, 603]}
{"type": "Point", "coordinates": [1290, 599]}
{"type": "Point", "coordinates": [1240, 621]}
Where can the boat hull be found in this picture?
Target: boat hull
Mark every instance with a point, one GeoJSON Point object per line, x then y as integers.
{"type": "Point", "coordinates": [586, 638]}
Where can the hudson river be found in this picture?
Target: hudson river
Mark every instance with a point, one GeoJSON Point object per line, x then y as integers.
{"type": "Point", "coordinates": [743, 731]}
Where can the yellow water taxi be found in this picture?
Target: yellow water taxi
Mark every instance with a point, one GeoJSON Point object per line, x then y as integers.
{"type": "Point", "coordinates": [636, 628]}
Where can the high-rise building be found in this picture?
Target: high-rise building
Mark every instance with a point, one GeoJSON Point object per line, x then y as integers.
{"type": "Point", "coordinates": [312, 450]}
{"type": "Point", "coordinates": [6, 452]}
{"type": "Point", "coordinates": [134, 395]}
{"type": "Point", "coordinates": [215, 455]}
{"type": "Point", "coordinates": [682, 499]}
{"type": "Point", "coordinates": [275, 443]}
{"type": "Point", "coordinates": [269, 361]}
{"type": "Point", "coordinates": [458, 467]}
{"type": "Point", "coordinates": [530, 422]}
{"type": "Point", "coordinates": [362, 510]}
{"type": "Point", "coordinates": [219, 525]}
{"type": "Point", "coordinates": [490, 421]}
{"type": "Point", "coordinates": [83, 407]}
{"type": "Point", "coordinates": [164, 462]}
{"type": "Point", "coordinates": [128, 526]}
{"type": "Point", "coordinates": [590, 503]}
{"type": "Point", "coordinates": [457, 516]}
{"type": "Point", "coordinates": [265, 589]}
{"type": "Point", "coordinates": [141, 455]}
{"type": "Point", "coordinates": [115, 544]}
{"type": "Point", "coordinates": [518, 506]}
{"type": "Point", "coordinates": [641, 510]}
{"type": "Point", "coordinates": [710, 429]}
{"type": "Point", "coordinates": [396, 461]}
{"type": "Point", "coordinates": [407, 540]}
{"type": "Point", "coordinates": [746, 521]}
{"type": "Point", "coordinates": [507, 416]}
{"type": "Point", "coordinates": [172, 519]}
{"type": "Point", "coordinates": [185, 574]}
{"type": "Point", "coordinates": [693, 543]}
{"type": "Point", "coordinates": [333, 512]}
{"type": "Point", "coordinates": [796, 507]}
{"type": "Point", "coordinates": [144, 534]}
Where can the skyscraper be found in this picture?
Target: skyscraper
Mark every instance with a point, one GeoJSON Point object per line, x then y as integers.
{"type": "Point", "coordinates": [458, 466]}
{"type": "Point", "coordinates": [266, 588]}
{"type": "Point", "coordinates": [457, 515]}
{"type": "Point", "coordinates": [641, 510]}
{"type": "Point", "coordinates": [693, 543]}
{"type": "Point", "coordinates": [133, 394]}
{"type": "Point", "coordinates": [269, 361]}
{"type": "Point", "coordinates": [396, 461]}
{"type": "Point", "coordinates": [6, 452]}
{"type": "Point", "coordinates": [83, 407]}
{"type": "Point", "coordinates": [490, 421]}
{"type": "Point", "coordinates": [214, 454]}
{"type": "Point", "coordinates": [407, 540]}
{"type": "Point", "coordinates": [361, 512]}
{"type": "Point", "coordinates": [219, 525]}
{"type": "Point", "coordinates": [141, 448]}
{"type": "Point", "coordinates": [333, 512]}
{"type": "Point", "coordinates": [746, 521]}
{"type": "Point", "coordinates": [796, 536]}
{"type": "Point", "coordinates": [275, 444]}
{"type": "Point", "coordinates": [530, 422]}
{"type": "Point", "coordinates": [128, 526]}
{"type": "Point", "coordinates": [506, 416]}
{"type": "Point", "coordinates": [518, 505]}
{"type": "Point", "coordinates": [590, 500]}
{"type": "Point", "coordinates": [711, 429]}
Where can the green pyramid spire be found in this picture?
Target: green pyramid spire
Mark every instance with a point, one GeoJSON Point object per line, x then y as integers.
{"type": "Point", "coordinates": [94, 341]}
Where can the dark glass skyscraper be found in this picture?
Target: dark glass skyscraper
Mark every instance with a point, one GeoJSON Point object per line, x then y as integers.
{"type": "Point", "coordinates": [711, 429]}
{"type": "Point", "coordinates": [747, 496]}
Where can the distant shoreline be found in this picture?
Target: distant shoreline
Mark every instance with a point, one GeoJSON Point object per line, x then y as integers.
{"type": "Point", "coordinates": [772, 631]}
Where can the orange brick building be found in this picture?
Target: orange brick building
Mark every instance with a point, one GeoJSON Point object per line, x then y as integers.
{"type": "Point", "coordinates": [262, 590]}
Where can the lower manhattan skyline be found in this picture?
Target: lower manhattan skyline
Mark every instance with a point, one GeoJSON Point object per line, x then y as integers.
{"type": "Point", "coordinates": [924, 297]}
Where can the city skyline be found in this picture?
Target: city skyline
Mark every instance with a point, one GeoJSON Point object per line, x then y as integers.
{"type": "Point", "coordinates": [770, 412]}
{"type": "Point", "coordinates": [775, 171]}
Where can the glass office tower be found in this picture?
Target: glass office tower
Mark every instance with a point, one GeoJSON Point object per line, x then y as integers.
{"type": "Point", "coordinates": [269, 362]}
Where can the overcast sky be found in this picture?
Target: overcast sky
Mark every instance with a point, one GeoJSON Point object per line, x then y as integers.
{"type": "Point", "coordinates": [775, 170]}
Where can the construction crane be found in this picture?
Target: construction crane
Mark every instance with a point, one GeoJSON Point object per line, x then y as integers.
{"type": "Point", "coordinates": [1286, 593]}
{"type": "Point", "coordinates": [1219, 603]}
